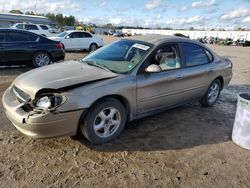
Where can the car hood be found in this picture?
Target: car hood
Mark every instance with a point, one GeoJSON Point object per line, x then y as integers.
{"type": "Point", "coordinates": [60, 75]}
{"type": "Point", "coordinates": [56, 38]}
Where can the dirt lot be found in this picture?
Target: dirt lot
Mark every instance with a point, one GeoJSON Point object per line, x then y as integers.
{"type": "Point", "coordinates": [184, 147]}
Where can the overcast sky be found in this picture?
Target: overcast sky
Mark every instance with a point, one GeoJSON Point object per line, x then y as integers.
{"type": "Point", "coordinates": [200, 14]}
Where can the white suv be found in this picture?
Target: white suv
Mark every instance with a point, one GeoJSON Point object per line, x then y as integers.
{"type": "Point", "coordinates": [39, 29]}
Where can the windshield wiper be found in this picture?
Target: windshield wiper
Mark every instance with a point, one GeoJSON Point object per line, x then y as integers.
{"type": "Point", "coordinates": [93, 63]}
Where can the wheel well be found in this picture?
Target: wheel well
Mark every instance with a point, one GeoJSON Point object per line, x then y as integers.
{"type": "Point", "coordinates": [221, 81]}
{"type": "Point", "coordinates": [93, 43]}
{"type": "Point", "coordinates": [51, 58]}
{"type": "Point", "coordinates": [116, 97]}
{"type": "Point", "coordinates": [45, 52]}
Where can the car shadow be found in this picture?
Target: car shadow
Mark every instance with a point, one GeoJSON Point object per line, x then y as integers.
{"type": "Point", "coordinates": [187, 126]}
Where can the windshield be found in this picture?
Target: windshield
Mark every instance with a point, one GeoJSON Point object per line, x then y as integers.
{"type": "Point", "coordinates": [63, 34]}
{"type": "Point", "coordinates": [120, 56]}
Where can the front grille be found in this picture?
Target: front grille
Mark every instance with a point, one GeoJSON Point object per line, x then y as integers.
{"type": "Point", "coordinates": [21, 96]}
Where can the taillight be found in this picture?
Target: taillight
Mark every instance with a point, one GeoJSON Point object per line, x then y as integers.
{"type": "Point", "coordinates": [59, 45]}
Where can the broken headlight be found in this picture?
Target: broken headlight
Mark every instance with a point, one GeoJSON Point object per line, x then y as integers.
{"type": "Point", "coordinates": [49, 101]}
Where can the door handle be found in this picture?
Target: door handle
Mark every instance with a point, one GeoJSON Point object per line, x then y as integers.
{"type": "Point", "coordinates": [1, 47]}
{"type": "Point", "coordinates": [31, 46]}
{"type": "Point", "coordinates": [179, 77]}
{"type": "Point", "coordinates": [210, 70]}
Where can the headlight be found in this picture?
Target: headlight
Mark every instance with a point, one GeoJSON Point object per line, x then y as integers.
{"type": "Point", "coordinates": [49, 101]}
{"type": "Point", "coordinates": [43, 102]}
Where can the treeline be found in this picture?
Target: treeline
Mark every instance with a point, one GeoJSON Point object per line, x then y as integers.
{"type": "Point", "coordinates": [59, 19]}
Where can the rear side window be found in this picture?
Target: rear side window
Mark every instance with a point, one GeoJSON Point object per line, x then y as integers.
{"type": "Point", "coordinates": [33, 38]}
{"type": "Point", "coordinates": [87, 35]}
{"type": "Point", "coordinates": [44, 27]}
{"type": "Point", "coordinates": [1, 36]}
{"type": "Point", "coordinates": [209, 55]}
{"type": "Point", "coordinates": [16, 37]}
{"type": "Point", "coordinates": [19, 26]}
{"type": "Point", "coordinates": [31, 27]}
{"type": "Point", "coordinates": [193, 54]}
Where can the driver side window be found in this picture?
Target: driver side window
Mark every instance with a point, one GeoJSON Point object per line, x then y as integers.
{"type": "Point", "coordinates": [167, 57]}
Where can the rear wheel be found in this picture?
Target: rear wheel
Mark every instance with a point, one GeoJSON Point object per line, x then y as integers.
{"type": "Point", "coordinates": [41, 59]}
{"type": "Point", "coordinates": [93, 47]}
{"type": "Point", "coordinates": [104, 122]}
{"type": "Point", "coordinates": [213, 93]}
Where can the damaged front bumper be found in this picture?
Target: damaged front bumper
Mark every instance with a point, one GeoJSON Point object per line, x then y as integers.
{"type": "Point", "coordinates": [40, 124]}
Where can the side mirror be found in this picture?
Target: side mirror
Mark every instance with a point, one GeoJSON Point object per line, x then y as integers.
{"type": "Point", "coordinates": [153, 68]}
{"type": "Point", "coordinates": [67, 37]}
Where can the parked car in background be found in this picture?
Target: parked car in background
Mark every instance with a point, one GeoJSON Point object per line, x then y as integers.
{"type": "Point", "coordinates": [243, 43]}
{"type": "Point", "coordinates": [125, 80]}
{"type": "Point", "coordinates": [118, 34]}
{"type": "Point", "coordinates": [79, 40]}
{"type": "Point", "coordinates": [180, 35]}
{"type": "Point", "coordinates": [39, 29]}
{"type": "Point", "coordinates": [23, 47]}
{"type": "Point", "coordinates": [54, 31]}
{"type": "Point", "coordinates": [111, 32]}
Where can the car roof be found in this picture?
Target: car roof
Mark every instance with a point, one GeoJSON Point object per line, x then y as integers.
{"type": "Point", "coordinates": [28, 23]}
{"type": "Point", "coordinates": [20, 30]}
{"type": "Point", "coordinates": [14, 29]}
{"type": "Point", "coordinates": [159, 39]}
{"type": "Point", "coordinates": [71, 31]}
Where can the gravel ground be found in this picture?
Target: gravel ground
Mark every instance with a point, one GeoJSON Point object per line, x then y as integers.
{"type": "Point", "coordinates": [185, 147]}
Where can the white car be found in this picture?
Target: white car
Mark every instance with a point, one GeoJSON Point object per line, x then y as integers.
{"type": "Point", "coordinates": [39, 29]}
{"type": "Point", "coordinates": [79, 40]}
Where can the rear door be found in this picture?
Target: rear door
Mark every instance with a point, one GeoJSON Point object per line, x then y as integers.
{"type": "Point", "coordinates": [198, 69]}
{"type": "Point", "coordinates": [44, 29]}
{"type": "Point", "coordinates": [87, 39]}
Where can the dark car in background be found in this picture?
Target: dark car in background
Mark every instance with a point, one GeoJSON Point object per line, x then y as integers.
{"type": "Point", "coordinates": [18, 47]}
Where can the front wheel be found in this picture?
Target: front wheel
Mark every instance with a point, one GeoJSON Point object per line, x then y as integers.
{"type": "Point", "coordinates": [41, 59]}
{"type": "Point", "coordinates": [93, 47]}
{"type": "Point", "coordinates": [212, 94]}
{"type": "Point", "coordinates": [104, 122]}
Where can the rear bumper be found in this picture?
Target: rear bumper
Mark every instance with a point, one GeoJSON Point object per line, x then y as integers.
{"type": "Point", "coordinates": [58, 55]}
{"type": "Point", "coordinates": [42, 124]}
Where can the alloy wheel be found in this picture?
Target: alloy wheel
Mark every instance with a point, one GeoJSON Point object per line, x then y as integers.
{"type": "Point", "coordinates": [213, 92]}
{"type": "Point", "coordinates": [42, 60]}
{"type": "Point", "coordinates": [107, 122]}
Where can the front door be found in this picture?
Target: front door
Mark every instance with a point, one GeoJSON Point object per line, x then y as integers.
{"type": "Point", "coordinates": [71, 41]}
{"type": "Point", "coordinates": [165, 88]}
{"type": "Point", "coordinates": [17, 46]}
{"type": "Point", "coordinates": [3, 56]}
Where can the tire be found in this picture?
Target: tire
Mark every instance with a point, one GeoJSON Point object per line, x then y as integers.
{"type": "Point", "coordinates": [41, 59]}
{"type": "Point", "coordinates": [93, 47]}
{"type": "Point", "coordinates": [104, 122]}
{"type": "Point", "coordinates": [212, 94]}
